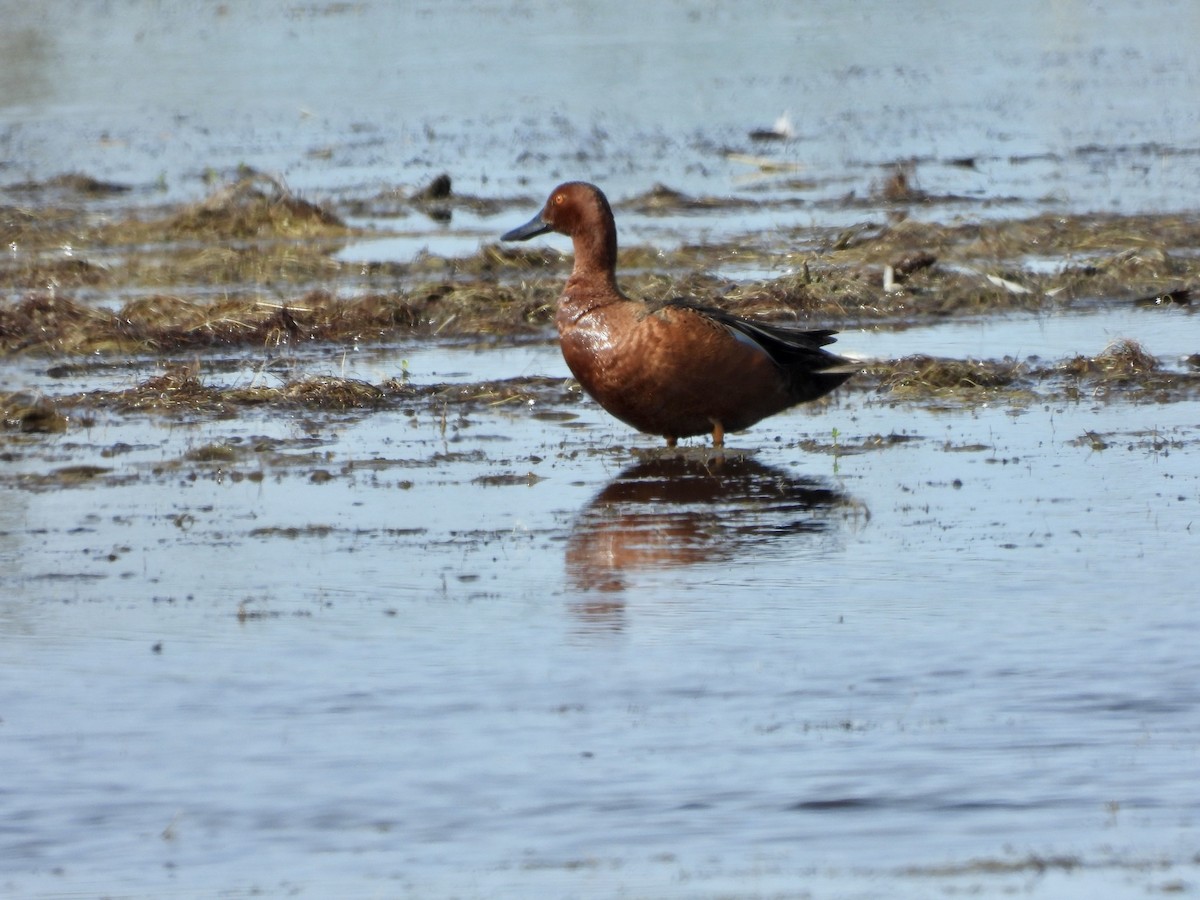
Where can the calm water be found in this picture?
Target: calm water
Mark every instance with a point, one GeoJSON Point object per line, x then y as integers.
{"type": "Point", "coordinates": [501, 656]}
{"type": "Point", "coordinates": [1076, 104]}
{"type": "Point", "coordinates": [794, 673]}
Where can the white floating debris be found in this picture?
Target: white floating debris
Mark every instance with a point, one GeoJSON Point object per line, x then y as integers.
{"type": "Point", "coordinates": [783, 127]}
{"type": "Point", "coordinates": [1011, 286]}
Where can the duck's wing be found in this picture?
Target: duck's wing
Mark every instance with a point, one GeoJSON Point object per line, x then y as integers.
{"type": "Point", "coordinates": [789, 347]}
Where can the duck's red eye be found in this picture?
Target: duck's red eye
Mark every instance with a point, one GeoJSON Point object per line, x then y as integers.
{"type": "Point", "coordinates": [558, 199]}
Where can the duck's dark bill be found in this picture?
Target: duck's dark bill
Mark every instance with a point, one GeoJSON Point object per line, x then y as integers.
{"type": "Point", "coordinates": [532, 228]}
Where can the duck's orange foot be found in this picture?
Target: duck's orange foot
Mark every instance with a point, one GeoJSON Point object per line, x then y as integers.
{"type": "Point", "coordinates": [718, 434]}
{"type": "Point", "coordinates": [672, 441]}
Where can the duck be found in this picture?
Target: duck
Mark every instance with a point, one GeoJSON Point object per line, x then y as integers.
{"type": "Point", "coordinates": [675, 369]}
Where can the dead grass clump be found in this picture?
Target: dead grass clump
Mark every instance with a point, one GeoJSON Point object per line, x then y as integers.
{"type": "Point", "coordinates": [900, 185]}
{"type": "Point", "coordinates": [255, 206]}
{"type": "Point", "coordinates": [171, 323]}
{"type": "Point", "coordinates": [662, 200]}
{"type": "Point", "coordinates": [37, 229]}
{"type": "Point", "coordinates": [49, 323]}
{"type": "Point", "coordinates": [179, 389]}
{"type": "Point", "coordinates": [1124, 370]}
{"type": "Point", "coordinates": [927, 376]}
{"type": "Point", "coordinates": [53, 274]}
{"type": "Point", "coordinates": [878, 244]}
{"type": "Point", "coordinates": [176, 389]}
{"type": "Point", "coordinates": [1058, 235]}
{"type": "Point", "coordinates": [1104, 234]}
{"type": "Point", "coordinates": [333, 393]}
{"type": "Point", "coordinates": [954, 293]}
{"type": "Point", "coordinates": [213, 453]}
{"type": "Point", "coordinates": [74, 183]}
{"type": "Point", "coordinates": [320, 314]}
{"type": "Point", "coordinates": [165, 322]}
{"type": "Point", "coordinates": [482, 308]}
{"type": "Point", "coordinates": [70, 476]}
{"type": "Point", "coordinates": [1147, 264]}
{"type": "Point", "coordinates": [472, 308]}
{"type": "Point", "coordinates": [1121, 360]}
{"type": "Point", "coordinates": [181, 380]}
{"type": "Point", "coordinates": [493, 257]}
{"type": "Point", "coordinates": [1102, 257]}
{"type": "Point", "coordinates": [695, 287]}
{"type": "Point", "coordinates": [30, 415]}
{"type": "Point", "coordinates": [831, 291]}
{"type": "Point", "coordinates": [256, 263]}
{"type": "Point", "coordinates": [527, 389]}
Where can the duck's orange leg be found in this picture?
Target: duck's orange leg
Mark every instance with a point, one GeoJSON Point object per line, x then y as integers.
{"type": "Point", "coordinates": [718, 434]}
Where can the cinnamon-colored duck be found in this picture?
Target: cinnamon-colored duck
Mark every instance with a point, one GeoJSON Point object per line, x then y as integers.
{"type": "Point", "coordinates": [675, 369]}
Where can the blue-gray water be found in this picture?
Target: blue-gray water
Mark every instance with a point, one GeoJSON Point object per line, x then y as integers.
{"type": "Point", "coordinates": [488, 659]}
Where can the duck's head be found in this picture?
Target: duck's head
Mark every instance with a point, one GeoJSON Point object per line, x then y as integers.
{"type": "Point", "coordinates": [576, 209]}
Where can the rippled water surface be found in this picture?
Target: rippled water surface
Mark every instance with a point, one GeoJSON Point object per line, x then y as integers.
{"type": "Point", "coordinates": [878, 650]}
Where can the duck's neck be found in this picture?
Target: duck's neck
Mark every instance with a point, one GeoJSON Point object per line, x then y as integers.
{"type": "Point", "coordinates": [596, 259]}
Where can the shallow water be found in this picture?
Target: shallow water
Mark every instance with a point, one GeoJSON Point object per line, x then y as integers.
{"type": "Point", "coordinates": [508, 657]}
{"type": "Point", "coordinates": [499, 652]}
{"type": "Point", "coordinates": [1082, 105]}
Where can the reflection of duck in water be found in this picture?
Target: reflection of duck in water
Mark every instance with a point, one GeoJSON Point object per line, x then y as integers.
{"type": "Point", "coordinates": [683, 510]}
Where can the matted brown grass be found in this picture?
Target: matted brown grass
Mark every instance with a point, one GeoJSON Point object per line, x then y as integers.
{"type": "Point", "coordinates": [254, 206]}
{"type": "Point", "coordinates": [49, 324]}
{"type": "Point", "coordinates": [254, 265]}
